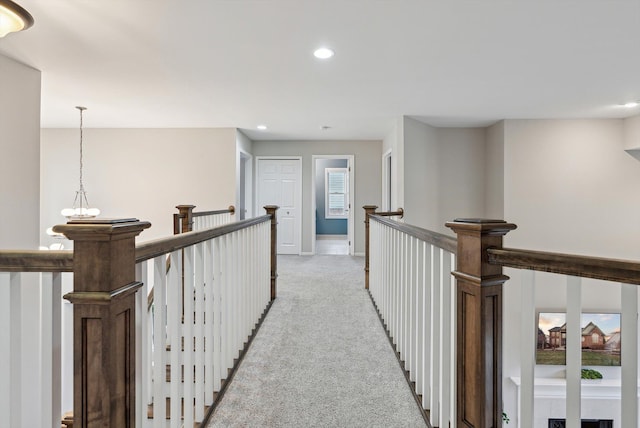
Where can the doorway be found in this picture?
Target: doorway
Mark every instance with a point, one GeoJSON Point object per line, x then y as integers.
{"type": "Point", "coordinates": [386, 182]}
{"type": "Point", "coordinates": [244, 189]}
{"type": "Point", "coordinates": [332, 199]}
{"type": "Point", "coordinates": [279, 182]}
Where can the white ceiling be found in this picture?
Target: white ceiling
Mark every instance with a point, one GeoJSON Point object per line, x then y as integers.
{"type": "Point", "coordinates": [240, 63]}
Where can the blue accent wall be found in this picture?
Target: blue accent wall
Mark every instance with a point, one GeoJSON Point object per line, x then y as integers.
{"type": "Point", "coordinates": [334, 226]}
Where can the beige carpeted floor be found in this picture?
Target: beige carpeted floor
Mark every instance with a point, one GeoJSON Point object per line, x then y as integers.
{"type": "Point", "coordinates": [321, 357]}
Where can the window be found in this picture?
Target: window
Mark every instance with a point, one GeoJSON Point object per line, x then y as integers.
{"type": "Point", "coordinates": [336, 186]}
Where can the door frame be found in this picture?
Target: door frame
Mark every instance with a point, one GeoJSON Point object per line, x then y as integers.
{"type": "Point", "coordinates": [246, 158]}
{"type": "Point", "coordinates": [350, 223]}
{"type": "Point", "coordinates": [387, 188]}
{"type": "Point", "coordinates": [260, 210]}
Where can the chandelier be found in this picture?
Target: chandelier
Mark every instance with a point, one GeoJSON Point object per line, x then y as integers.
{"type": "Point", "coordinates": [13, 18]}
{"type": "Point", "coordinates": [80, 208]}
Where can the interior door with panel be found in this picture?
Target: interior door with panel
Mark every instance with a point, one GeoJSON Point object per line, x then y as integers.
{"type": "Point", "coordinates": [279, 183]}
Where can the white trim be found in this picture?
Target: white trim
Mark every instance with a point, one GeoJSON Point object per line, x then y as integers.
{"type": "Point", "coordinates": [386, 181]}
{"type": "Point", "coordinates": [248, 184]}
{"type": "Point", "coordinates": [308, 254]}
{"type": "Point", "coordinates": [344, 172]}
{"type": "Point", "coordinates": [300, 176]}
{"type": "Point", "coordinates": [350, 223]}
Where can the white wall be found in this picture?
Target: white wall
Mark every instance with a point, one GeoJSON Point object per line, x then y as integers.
{"type": "Point", "coordinates": [461, 174]}
{"type": "Point", "coordinates": [19, 222]}
{"type": "Point", "coordinates": [393, 143]}
{"type": "Point", "coordinates": [443, 174]}
{"type": "Point", "coordinates": [20, 155]}
{"type": "Point", "coordinates": [141, 173]}
{"type": "Point", "coordinates": [244, 148]}
{"type": "Point", "coordinates": [420, 174]}
{"type": "Point", "coordinates": [494, 171]}
{"type": "Point", "coordinates": [631, 133]}
{"type": "Point", "coordinates": [368, 179]}
{"type": "Point", "coordinates": [570, 187]}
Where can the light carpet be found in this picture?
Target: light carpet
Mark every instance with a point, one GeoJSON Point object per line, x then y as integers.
{"type": "Point", "coordinates": [321, 357]}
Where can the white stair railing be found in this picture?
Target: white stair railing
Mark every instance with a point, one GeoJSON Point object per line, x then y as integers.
{"type": "Point", "coordinates": [206, 306]}
{"type": "Point", "coordinates": [31, 311]}
{"type": "Point", "coordinates": [616, 396]}
{"type": "Point", "coordinates": [411, 285]}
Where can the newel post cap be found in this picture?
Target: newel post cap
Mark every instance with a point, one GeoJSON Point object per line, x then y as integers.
{"type": "Point", "coordinates": [104, 229]}
{"type": "Point", "coordinates": [481, 226]}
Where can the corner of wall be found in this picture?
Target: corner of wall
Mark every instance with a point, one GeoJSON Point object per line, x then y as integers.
{"type": "Point", "coordinates": [494, 170]}
{"type": "Point", "coordinates": [631, 135]}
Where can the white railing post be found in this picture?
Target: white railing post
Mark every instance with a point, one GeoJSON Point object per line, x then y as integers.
{"type": "Point", "coordinates": [51, 342]}
{"type": "Point", "coordinates": [629, 355]}
{"type": "Point", "coordinates": [527, 348]}
{"type": "Point", "coordinates": [574, 351]}
{"type": "Point", "coordinates": [160, 341]}
{"type": "Point", "coordinates": [15, 349]}
{"type": "Point", "coordinates": [174, 322]}
{"type": "Point", "coordinates": [199, 330]}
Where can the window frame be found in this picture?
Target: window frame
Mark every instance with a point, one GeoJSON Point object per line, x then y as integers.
{"type": "Point", "coordinates": [345, 212]}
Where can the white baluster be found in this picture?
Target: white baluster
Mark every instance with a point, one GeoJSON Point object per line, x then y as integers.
{"type": "Point", "coordinates": [15, 349]}
{"type": "Point", "coordinates": [420, 314]}
{"type": "Point", "coordinates": [174, 320]}
{"type": "Point", "coordinates": [217, 318]}
{"type": "Point", "coordinates": [436, 318]}
{"type": "Point", "coordinates": [412, 319]}
{"type": "Point", "coordinates": [629, 355]}
{"type": "Point", "coordinates": [574, 351]}
{"type": "Point", "coordinates": [199, 285]}
{"type": "Point", "coordinates": [427, 344]}
{"type": "Point", "coordinates": [160, 340]}
{"type": "Point", "coordinates": [446, 337]}
{"type": "Point", "coordinates": [188, 336]}
{"type": "Point", "coordinates": [209, 320]}
{"type": "Point", "coordinates": [528, 335]}
{"type": "Point", "coordinates": [51, 343]}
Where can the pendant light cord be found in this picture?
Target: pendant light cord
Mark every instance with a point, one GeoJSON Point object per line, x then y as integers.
{"type": "Point", "coordinates": [81, 163]}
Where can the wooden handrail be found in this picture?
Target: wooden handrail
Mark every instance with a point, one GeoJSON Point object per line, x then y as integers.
{"type": "Point", "coordinates": [150, 249]}
{"type": "Point", "coordinates": [183, 221]}
{"type": "Point", "coordinates": [446, 242]}
{"type": "Point", "coordinates": [614, 270]}
{"type": "Point", "coordinates": [398, 213]}
{"type": "Point", "coordinates": [36, 261]}
{"type": "Point", "coordinates": [62, 261]}
{"type": "Point", "coordinates": [230, 210]}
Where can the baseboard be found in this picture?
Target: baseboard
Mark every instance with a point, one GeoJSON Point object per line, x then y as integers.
{"type": "Point", "coordinates": [307, 254]}
{"type": "Point", "coordinates": [358, 254]}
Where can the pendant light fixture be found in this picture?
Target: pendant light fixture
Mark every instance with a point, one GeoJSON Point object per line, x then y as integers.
{"type": "Point", "coordinates": [13, 17]}
{"type": "Point", "coordinates": [80, 208]}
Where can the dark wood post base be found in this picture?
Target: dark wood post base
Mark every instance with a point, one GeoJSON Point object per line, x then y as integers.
{"type": "Point", "coordinates": [271, 210]}
{"type": "Point", "coordinates": [103, 296]}
{"type": "Point", "coordinates": [479, 322]}
{"type": "Point", "coordinates": [368, 210]}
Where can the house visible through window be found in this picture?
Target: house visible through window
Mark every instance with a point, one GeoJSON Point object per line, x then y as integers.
{"type": "Point", "coordinates": [336, 192]}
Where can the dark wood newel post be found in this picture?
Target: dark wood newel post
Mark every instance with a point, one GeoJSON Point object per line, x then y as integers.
{"type": "Point", "coordinates": [103, 300]}
{"type": "Point", "coordinates": [185, 216]}
{"type": "Point", "coordinates": [368, 210]}
{"type": "Point", "coordinates": [271, 210]}
{"type": "Point", "coordinates": [479, 322]}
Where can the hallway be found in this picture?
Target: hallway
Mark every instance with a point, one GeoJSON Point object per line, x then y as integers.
{"type": "Point", "coordinates": [321, 357]}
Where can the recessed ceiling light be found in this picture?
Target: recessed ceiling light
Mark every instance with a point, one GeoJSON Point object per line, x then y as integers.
{"type": "Point", "coordinates": [631, 104]}
{"type": "Point", "coordinates": [262, 127]}
{"type": "Point", "coordinates": [323, 53]}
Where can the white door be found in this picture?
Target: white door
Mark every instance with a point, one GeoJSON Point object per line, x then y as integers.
{"type": "Point", "coordinates": [279, 183]}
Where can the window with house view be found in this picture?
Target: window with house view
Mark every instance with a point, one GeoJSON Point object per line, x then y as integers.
{"type": "Point", "coordinates": [336, 186]}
